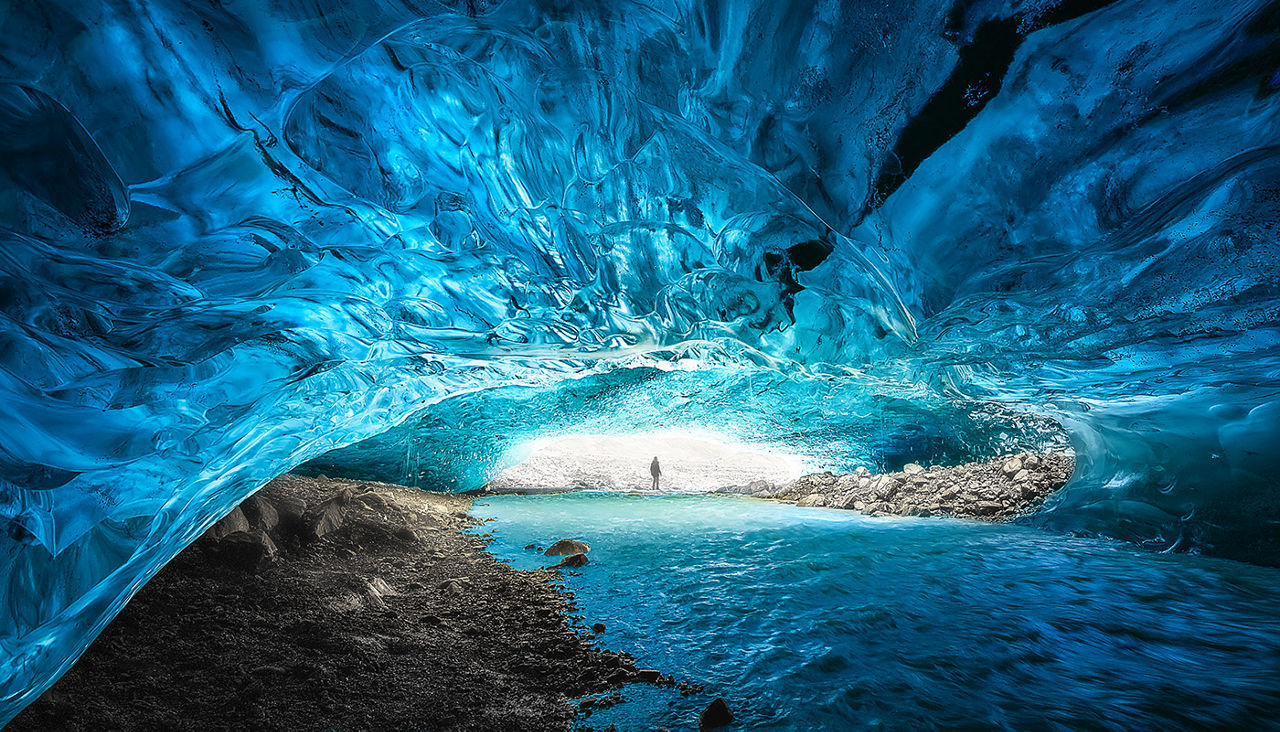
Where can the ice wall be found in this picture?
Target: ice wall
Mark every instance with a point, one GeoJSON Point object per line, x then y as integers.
{"type": "Point", "coordinates": [238, 235]}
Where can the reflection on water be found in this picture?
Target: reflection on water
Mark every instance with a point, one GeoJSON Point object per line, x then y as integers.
{"type": "Point", "coordinates": [816, 618]}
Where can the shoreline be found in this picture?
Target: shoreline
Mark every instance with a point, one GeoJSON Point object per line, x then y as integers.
{"type": "Point", "coordinates": [1000, 489]}
{"type": "Point", "coordinates": [323, 604]}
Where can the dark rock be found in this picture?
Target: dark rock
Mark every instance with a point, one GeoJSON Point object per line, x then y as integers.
{"type": "Point", "coordinates": [326, 517]}
{"type": "Point", "coordinates": [648, 675]}
{"type": "Point", "coordinates": [405, 533]}
{"type": "Point", "coordinates": [568, 546]}
{"type": "Point", "coordinates": [373, 500]}
{"type": "Point", "coordinates": [598, 628]}
{"type": "Point", "coordinates": [290, 510]}
{"type": "Point", "coordinates": [716, 715]}
{"type": "Point", "coordinates": [260, 513]}
{"type": "Point", "coordinates": [231, 523]}
{"type": "Point", "coordinates": [574, 562]}
{"type": "Point", "coordinates": [247, 550]}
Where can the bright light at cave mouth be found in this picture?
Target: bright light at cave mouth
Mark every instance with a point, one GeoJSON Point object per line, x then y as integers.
{"type": "Point", "coordinates": [691, 462]}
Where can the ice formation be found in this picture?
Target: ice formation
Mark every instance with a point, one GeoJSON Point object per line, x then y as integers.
{"type": "Point", "coordinates": [237, 236]}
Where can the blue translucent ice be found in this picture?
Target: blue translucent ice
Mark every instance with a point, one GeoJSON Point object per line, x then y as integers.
{"type": "Point", "coordinates": [236, 236]}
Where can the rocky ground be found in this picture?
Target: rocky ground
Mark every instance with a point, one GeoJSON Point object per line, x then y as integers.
{"type": "Point", "coordinates": [324, 604]}
{"type": "Point", "coordinates": [997, 490]}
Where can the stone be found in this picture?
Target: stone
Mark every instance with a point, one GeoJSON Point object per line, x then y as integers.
{"type": "Point", "coordinates": [716, 715]}
{"type": "Point", "coordinates": [290, 509]}
{"type": "Point", "coordinates": [986, 508]}
{"type": "Point", "coordinates": [1011, 466]}
{"type": "Point", "coordinates": [598, 628]}
{"type": "Point", "coordinates": [250, 551]}
{"type": "Point", "coordinates": [1021, 476]}
{"type": "Point", "coordinates": [859, 506]}
{"type": "Point", "coordinates": [813, 499]}
{"type": "Point", "coordinates": [326, 517]}
{"type": "Point", "coordinates": [575, 561]}
{"type": "Point", "coordinates": [373, 500]}
{"type": "Point", "coordinates": [260, 512]}
{"type": "Point", "coordinates": [233, 522]}
{"type": "Point", "coordinates": [567, 546]}
{"type": "Point", "coordinates": [912, 469]}
{"type": "Point", "coordinates": [861, 472]}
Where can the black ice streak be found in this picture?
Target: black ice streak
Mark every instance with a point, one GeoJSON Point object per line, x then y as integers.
{"type": "Point", "coordinates": [974, 81]}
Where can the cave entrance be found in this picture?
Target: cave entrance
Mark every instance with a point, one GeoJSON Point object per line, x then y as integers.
{"type": "Point", "coordinates": [690, 463]}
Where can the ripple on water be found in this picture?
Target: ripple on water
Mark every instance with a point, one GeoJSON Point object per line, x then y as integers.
{"type": "Point", "coordinates": [805, 618]}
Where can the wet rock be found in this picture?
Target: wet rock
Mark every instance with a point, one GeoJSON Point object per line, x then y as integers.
{"type": "Point", "coordinates": [648, 675]}
{"type": "Point", "coordinates": [912, 469]}
{"type": "Point", "coordinates": [1011, 466]}
{"type": "Point", "coordinates": [575, 561]}
{"type": "Point", "coordinates": [598, 628]}
{"type": "Point", "coordinates": [813, 499]}
{"type": "Point", "coordinates": [567, 546]}
{"type": "Point", "coordinates": [716, 715]}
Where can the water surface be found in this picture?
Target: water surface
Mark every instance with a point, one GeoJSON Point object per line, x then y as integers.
{"type": "Point", "coordinates": [815, 618]}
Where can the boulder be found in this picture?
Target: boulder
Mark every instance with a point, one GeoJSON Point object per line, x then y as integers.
{"type": "Point", "coordinates": [1011, 466]}
{"type": "Point", "coordinates": [232, 523]}
{"type": "Point", "coordinates": [290, 509]}
{"type": "Point", "coordinates": [250, 551]}
{"type": "Point", "coordinates": [912, 469]}
{"type": "Point", "coordinates": [986, 508]}
{"type": "Point", "coordinates": [567, 546]}
{"type": "Point", "coordinates": [373, 500]}
{"type": "Point", "coordinates": [716, 715]}
{"type": "Point", "coordinates": [813, 499]}
{"type": "Point", "coordinates": [260, 513]}
{"type": "Point", "coordinates": [326, 517]}
{"type": "Point", "coordinates": [574, 561]}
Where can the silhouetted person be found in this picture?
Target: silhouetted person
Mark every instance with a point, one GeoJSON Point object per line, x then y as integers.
{"type": "Point", "coordinates": [656, 471]}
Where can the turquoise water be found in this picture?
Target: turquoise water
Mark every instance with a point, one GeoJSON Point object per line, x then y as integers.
{"type": "Point", "coordinates": [822, 619]}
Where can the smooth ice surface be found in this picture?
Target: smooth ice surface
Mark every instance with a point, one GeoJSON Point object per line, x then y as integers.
{"type": "Point", "coordinates": [236, 236]}
{"type": "Point", "coordinates": [810, 619]}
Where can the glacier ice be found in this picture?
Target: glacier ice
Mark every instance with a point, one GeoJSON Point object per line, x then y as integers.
{"type": "Point", "coordinates": [238, 236]}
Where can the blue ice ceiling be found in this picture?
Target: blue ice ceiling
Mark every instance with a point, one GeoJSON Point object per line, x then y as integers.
{"type": "Point", "coordinates": [238, 235]}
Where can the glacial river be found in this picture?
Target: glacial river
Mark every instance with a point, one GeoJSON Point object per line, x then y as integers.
{"type": "Point", "coordinates": [809, 619]}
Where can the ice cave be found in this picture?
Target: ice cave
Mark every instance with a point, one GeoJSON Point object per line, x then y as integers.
{"type": "Point", "coordinates": [403, 240]}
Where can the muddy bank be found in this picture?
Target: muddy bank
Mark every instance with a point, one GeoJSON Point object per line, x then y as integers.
{"type": "Point", "coordinates": [325, 604]}
{"type": "Point", "coordinates": [995, 490]}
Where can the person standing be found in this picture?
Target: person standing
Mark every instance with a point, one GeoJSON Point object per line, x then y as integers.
{"type": "Point", "coordinates": [656, 471]}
